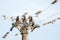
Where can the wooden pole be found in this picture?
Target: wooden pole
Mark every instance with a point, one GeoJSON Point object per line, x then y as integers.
{"type": "Point", "coordinates": [24, 33]}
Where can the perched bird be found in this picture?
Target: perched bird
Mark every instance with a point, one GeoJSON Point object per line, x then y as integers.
{"type": "Point", "coordinates": [25, 13]}
{"type": "Point", "coordinates": [58, 18]}
{"type": "Point", "coordinates": [12, 18]}
{"type": "Point", "coordinates": [54, 20]}
{"type": "Point", "coordinates": [5, 17]}
{"type": "Point", "coordinates": [38, 12]}
{"type": "Point", "coordinates": [50, 22]}
{"type": "Point", "coordinates": [36, 16]}
{"type": "Point", "coordinates": [5, 35]}
{"type": "Point", "coordinates": [54, 2]}
{"type": "Point", "coordinates": [16, 34]}
{"type": "Point", "coordinates": [44, 23]}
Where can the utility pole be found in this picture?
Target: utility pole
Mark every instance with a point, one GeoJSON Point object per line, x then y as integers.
{"type": "Point", "coordinates": [23, 27]}
{"type": "Point", "coordinates": [24, 33]}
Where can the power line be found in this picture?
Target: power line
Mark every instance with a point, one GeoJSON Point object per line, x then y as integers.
{"type": "Point", "coordinates": [52, 3]}
{"type": "Point", "coordinates": [51, 16]}
{"type": "Point", "coordinates": [51, 21]}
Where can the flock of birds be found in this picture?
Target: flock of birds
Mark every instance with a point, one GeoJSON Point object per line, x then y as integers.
{"type": "Point", "coordinates": [37, 14]}
{"type": "Point", "coordinates": [51, 21]}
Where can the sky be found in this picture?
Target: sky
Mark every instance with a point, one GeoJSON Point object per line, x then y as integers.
{"type": "Point", "coordinates": [19, 7]}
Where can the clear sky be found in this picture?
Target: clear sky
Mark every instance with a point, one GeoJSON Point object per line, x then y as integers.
{"type": "Point", "coordinates": [18, 7]}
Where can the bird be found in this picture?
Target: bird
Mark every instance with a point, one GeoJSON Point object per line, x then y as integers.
{"type": "Point", "coordinates": [12, 18]}
{"type": "Point", "coordinates": [16, 34]}
{"type": "Point", "coordinates": [54, 2]}
{"type": "Point", "coordinates": [38, 12]}
{"type": "Point", "coordinates": [5, 35]}
{"type": "Point", "coordinates": [25, 13]}
{"type": "Point", "coordinates": [5, 17]}
{"type": "Point", "coordinates": [44, 23]}
{"type": "Point", "coordinates": [58, 18]}
{"type": "Point", "coordinates": [50, 22]}
{"type": "Point", "coordinates": [54, 20]}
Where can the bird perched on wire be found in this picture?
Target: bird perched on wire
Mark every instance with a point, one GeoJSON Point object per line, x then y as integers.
{"type": "Point", "coordinates": [54, 2]}
{"type": "Point", "coordinates": [25, 13]}
{"type": "Point", "coordinates": [16, 34]}
{"type": "Point", "coordinates": [5, 17]}
{"type": "Point", "coordinates": [38, 12]}
{"type": "Point", "coordinates": [12, 18]}
{"type": "Point", "coordinates": [44, 24]}
{"type": "Point", "coordinates": [5, 35]}
{"type": "Point", "coordinates": [58, 18]}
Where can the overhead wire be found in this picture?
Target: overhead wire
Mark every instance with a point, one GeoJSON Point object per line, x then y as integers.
{"type": "Point", "coordinates": [43, 19]}
{"type": "Point", "coordinates": [50, 16]}
{"type": "Point", "coordinates": [51, 4]}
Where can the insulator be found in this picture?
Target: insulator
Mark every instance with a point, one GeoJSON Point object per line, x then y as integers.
{"type": "Point", "coordinates": [33, 29]}
{"type": "Point", "coordinates": [11, 28]}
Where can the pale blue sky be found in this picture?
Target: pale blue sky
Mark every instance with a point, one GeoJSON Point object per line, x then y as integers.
{"type": "Point", "coordinates": [18, 7]}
